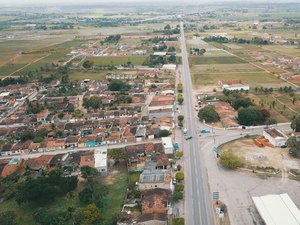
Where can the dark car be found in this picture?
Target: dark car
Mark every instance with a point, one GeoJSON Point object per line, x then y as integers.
{"type": "Point", "coordinates": [188, 137]}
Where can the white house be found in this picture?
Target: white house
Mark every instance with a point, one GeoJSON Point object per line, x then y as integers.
{"type": "Point", "coordinates": [100, 156]}
{"type": "Point", "coordinates": [275, 137]}
{"type": "Point", "coordinates": [168, 145]}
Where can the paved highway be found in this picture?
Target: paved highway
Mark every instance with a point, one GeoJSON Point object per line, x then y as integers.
{"type": "Point", "coordinates": [201, 168]}
{"type": "Point", "coordinates": [198, 206]}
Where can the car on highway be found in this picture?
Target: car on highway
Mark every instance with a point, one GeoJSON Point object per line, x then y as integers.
{"type": "Point", "coordinates": [188, 137]}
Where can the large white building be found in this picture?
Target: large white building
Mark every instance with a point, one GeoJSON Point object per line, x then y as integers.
{"type": "Point", "coordinates": [168, 145]}
{"type": "Point", "coordinates": [277, 209]}
{"type": "Point", "coordinates": [275, 137]}
{"type": "Point", "coordinates": [100, 155]}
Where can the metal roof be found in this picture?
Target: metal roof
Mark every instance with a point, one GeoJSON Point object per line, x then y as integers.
{"type": "Point", "coordinates": [277, 209]}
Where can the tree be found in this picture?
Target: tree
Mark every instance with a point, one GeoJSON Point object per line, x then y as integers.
{"type": "Point", "coordinates": [94, 102]}
{"type": "Point", "coordinates": [180, 118]}
{"type": "Point", "coordinates": [209, 114]}
{"type": "Point", "coordinates": [241, 102]}
{"type": "Point", "coordinates": [178, 221]}
{"type": "Point", "coordinates": [179, 154]}
{"type": "Point", "coordinates": [230, 161]}
{"type": "Point", "coordinates": [202, 51]}
{"type": "Point", "coordinates": [86, 195]}
{"type": "Point", "coordinates": [179, 176]}
{"type": "Point", "coordinates": [88, 171]}
{"type": "Point", "coordinates": [172, 59]}
{"type": "Point", "coordinates": [172, 49]}
{"type": "Point", "coordinates": [180, 87]}
{"type": "Point", "coordinates": [179, 187]}
{"type": "Point", "coordinates": [294, 146]}
{"type": "Point", "coordinates": [164, 133]}
{"type": "Point", "coordinates": [8, 218]}
{"type": "Point", "coordinates": [88, 64]}
{"type": "Point", "coordinates": [91, 214]}
{"type": "Point", "coordinates": [26, 135]}
{"type": "Point", "coordinates": [295, 125]}
{"type": "Point", "coordinates": [177, 196]}
{"type": "Point", "coordinates": [247, 116]}
{"type": "Point", "coordinates": [117, 85]}
{"type": "Point", "coordinates": [180, 99]}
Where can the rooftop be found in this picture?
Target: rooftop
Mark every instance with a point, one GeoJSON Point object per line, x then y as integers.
{"type": "Point", "coordinates": [277, 209]}
{"type": "Point", "coordinates": [275, 133]}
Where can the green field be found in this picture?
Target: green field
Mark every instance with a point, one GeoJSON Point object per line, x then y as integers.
{"type": "Point", "coordinates": [117, 60]}
{"type": "Point", "coordinates": [211, 74]}
{"type": "Point", "coordinates": [113, 202]}
{"type": "Point", "coordinates": [214, 60]}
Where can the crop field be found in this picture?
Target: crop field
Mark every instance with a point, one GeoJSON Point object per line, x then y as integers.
{"type": "Point", "coordinates": [199, 60]}
{"type": "Point", "coordinates": [117, 60]}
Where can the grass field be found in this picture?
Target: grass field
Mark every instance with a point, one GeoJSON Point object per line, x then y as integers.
{"type": "Point", "coordinates": [20, 53]}
{"type": "Point", "coordinates": [81, 75]}
{"type": "Point", "coordinates": [210, 75]}
{"type": "Point", "coordinates": [113, 202]}
{"type": "Point", "coordinates": [117, 60]}
{"type": "Point", "coordinates": [198, 60]}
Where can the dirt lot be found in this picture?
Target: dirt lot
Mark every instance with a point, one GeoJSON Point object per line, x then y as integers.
{"type": "Point", "coordinates": [227, 114]}
{"type": "Point", "coordinates": [254, 156]}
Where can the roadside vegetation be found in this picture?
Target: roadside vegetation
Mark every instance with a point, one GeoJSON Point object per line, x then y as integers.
{"type": "Point", "coordinates": [229, 161]}
{"type": "Point", "coordinates": [208, 114]}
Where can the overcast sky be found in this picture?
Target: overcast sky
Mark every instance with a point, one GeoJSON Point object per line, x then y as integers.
{"type": "Point", "coordinates": [105, 1]}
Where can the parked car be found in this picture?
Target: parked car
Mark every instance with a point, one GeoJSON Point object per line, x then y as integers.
{"type": "Point", "coordinates": [174, 181]}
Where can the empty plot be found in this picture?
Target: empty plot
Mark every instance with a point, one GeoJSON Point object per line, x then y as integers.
{"type": "Point", "coordinates": [284, 50]}
{"type": "Point", "coordinates": [253, 78]}
{"type": "Point", "coordinates": [215, 60]}
{"type": "Point", "coordinates": [198, 43]}
{"type": "Point", "coordinates": [232, 68]}
{"type": "Point", "coordinates": [233, 46]}
{"type": "Point", "coordinates": [117, 60]}
{"type": "Point", "coordinates": [216, 53]}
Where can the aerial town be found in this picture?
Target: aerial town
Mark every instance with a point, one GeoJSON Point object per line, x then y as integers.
{"type": "Point", "coordinates": [142, 114]}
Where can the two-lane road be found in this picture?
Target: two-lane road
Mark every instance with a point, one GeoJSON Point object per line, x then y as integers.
{"type": "Point", "coordinates": [198, 204]}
